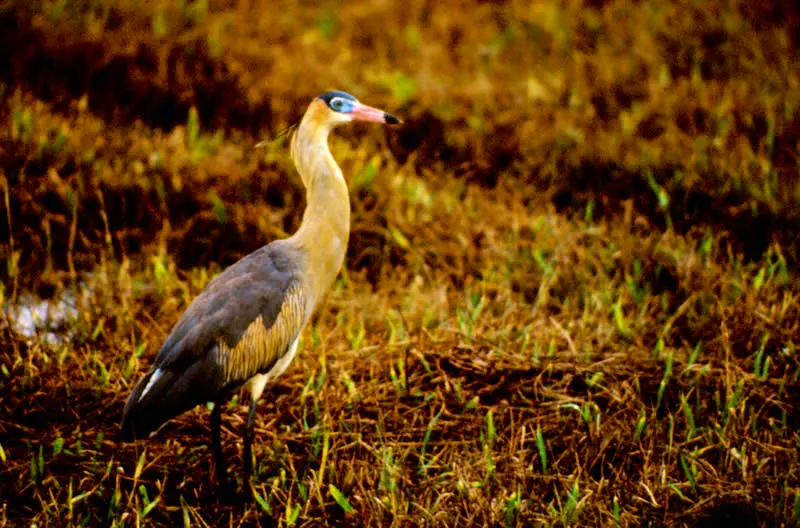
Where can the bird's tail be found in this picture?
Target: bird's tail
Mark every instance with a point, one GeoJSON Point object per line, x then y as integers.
{"type": "Point", "coordinates": [160, 395]}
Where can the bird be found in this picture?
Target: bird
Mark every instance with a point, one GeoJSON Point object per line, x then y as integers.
{"type": "Point", "coordinates": [243, 328]}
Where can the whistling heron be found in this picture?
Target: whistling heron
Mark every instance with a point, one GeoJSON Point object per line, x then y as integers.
{"type": "Point", "coordinates": [245, 325]}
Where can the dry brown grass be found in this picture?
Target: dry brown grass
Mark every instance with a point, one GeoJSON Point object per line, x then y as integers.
{"type": "Point", "coordinates": [571, 294]}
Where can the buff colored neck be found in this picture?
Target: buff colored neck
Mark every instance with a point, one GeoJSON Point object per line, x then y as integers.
{"type": "Point", "coordinates": [325, 229]}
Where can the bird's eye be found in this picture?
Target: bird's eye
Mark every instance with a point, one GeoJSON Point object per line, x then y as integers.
{"type": "Point", "coordinates": [337, 104]}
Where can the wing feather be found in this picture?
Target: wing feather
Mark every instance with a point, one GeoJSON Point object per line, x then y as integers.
{"type": "Point", "coordinates": [261, 346]}
{"type": "Point", "coordinates": [243, 322]}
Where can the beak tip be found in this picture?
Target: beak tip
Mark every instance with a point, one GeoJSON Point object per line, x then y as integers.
{"type": "Point", "coordinates": [391, 120]}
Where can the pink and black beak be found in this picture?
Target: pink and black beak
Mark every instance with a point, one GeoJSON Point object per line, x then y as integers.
{"type": "Point", "coordinates": [362, 112]}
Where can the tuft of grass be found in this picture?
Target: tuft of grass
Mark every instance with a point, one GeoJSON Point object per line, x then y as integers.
{"type": "Point", "coordinates": [542, 448]}
{"type": "Point", "coordinates": [340, 499]}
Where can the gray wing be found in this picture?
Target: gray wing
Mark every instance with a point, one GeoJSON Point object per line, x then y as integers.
{"type": "Point", "coordinates": [244, 320]}
{"type": "Point", "coordinates": [239, 326]}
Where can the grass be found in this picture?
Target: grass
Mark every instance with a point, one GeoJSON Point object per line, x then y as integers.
{"type": "Point", "coordinates": [571, 291]}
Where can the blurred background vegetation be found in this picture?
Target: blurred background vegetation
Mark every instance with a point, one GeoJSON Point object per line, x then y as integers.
{"type": "Point", "coordinates": [571, 290]}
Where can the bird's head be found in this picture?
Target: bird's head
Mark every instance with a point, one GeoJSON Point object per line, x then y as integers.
{"type": "Point", "coordinates": [328, 111]}
{"type": "Point", "coordinates": [336, 108]}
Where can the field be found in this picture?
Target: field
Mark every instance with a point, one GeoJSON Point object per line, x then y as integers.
{"type": "Point", "coordinates": [571, 294]}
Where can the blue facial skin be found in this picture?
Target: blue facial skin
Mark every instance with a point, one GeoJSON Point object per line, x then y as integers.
{"type": "Point", "coordinates": [341, 102]}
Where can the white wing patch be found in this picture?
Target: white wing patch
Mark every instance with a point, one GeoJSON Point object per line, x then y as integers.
{"type": "Point", "coordinates": [153, 379]}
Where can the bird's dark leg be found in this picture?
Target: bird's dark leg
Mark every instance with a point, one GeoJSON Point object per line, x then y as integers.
{"type": "Point", "coordinates": [247, 455]}
{"type": "Point", "coordinates": [216, 443]}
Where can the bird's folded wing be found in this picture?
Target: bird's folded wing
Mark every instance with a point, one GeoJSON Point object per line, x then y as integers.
{"type": "Point", "coordinates": [263, 342]}
{"type": "Point", "coordinates": [239, 326]}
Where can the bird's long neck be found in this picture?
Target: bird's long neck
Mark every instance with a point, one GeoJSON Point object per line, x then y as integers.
{"type": "Point", "coordinates": [325, 229]}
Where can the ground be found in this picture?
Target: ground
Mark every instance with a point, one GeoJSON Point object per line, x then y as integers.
{"type": "Point", "coordinates": [571, 292]}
